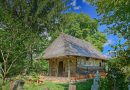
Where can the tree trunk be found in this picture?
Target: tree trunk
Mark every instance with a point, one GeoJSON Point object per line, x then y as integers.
{"type": "Point", "coordinates": [3, 79]}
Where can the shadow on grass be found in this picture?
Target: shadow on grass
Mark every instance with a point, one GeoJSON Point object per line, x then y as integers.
{"type": "Point", "coordinates": [86, 85]}
{"type": "Point", "coordinates": [65, 85]}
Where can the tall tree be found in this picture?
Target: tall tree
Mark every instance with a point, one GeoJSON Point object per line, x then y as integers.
{"type": "Point", "coordinates": [83, 27]}
{"type": "Point", "coordinates": [21, 25]}
{"type": "Point", "coordinates": [34, 14]}
{"type": "Point", "coordinates": [116, 15]}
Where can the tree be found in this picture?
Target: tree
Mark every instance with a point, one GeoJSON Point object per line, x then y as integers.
{"type": "Point", "coordinates": [21, 23]}
{"type": "Point", "coordinates": [12, 51]}
{"type": "Point", "coordinates": [116, 15]}
{"type": "Point", "coordinates": [34, 14]}
{"type": "Point", "coordinates": [83, 27]}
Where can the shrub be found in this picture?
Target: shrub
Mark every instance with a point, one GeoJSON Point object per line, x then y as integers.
{"type": "Point", "coordinates": [116, 78]}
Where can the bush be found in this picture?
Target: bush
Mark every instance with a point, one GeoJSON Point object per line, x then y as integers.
{"type": "Point", "coordinates": [116, 78]}
{"type": "Point", "coordinates": [104, 85]}
{"type": "Point", "coordinates": [40, 66]}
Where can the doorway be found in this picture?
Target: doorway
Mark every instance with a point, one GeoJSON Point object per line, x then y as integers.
{"type": "Point", "coordinates": [60, 68]}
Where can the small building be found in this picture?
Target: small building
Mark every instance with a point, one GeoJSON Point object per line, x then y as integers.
{"type": "Point", "coordinates": [69, 56]}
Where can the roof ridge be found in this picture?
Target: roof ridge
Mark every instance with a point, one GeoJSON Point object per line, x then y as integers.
{"type": "Point", "coordinates": [66, 44]}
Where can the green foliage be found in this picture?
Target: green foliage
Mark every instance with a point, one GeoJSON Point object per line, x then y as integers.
{"type": "Point", "coordinates": [83, 27]}
{"type": "Point", "coordinates": [21, 23]}
{"type": "Point", "coordinates": [33, 14]}
{"type": "Point", "coordinates": [58, 86]}
{"type": "Point", "coordinates": [38, 67]}
{"type": "Point", "coordinates": [84, 85]}
{"type": "Point", "coordinates": [104, 84]}
{"type": "Point", "coordinates": [117, 73]}
{"type": "Point", "coordinates": [116, 15]}
{"type": "Point", "coordinates": [6, 86]}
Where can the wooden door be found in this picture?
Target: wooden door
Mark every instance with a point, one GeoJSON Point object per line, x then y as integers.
{"type": "Point", "coordinates": [60, 68]}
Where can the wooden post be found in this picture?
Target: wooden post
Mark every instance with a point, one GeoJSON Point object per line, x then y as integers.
{"type": "Point", "coordinates": [49, 67]}
{"type": "Point", "coordinates": [69, 69]}
{"type": "Point", "coordinates": [76, 65]}
{"type": "Point", "coordinates": [57, 62]}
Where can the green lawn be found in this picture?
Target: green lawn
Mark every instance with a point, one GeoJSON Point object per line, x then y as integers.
{"type": "Point", "coordinates": [55, 86]}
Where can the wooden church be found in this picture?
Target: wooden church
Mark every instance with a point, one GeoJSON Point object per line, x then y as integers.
{"type": "Point", "coordinates": [69, 56]}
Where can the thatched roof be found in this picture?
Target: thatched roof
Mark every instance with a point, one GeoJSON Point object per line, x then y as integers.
{"type": "Point", "coordinates": [66, 45]}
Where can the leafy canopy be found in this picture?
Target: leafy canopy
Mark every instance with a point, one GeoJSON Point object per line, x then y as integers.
{"type": "Point", "coordinates": [83, 27]}
{"type": "Point", "coordinates": [116, 15]}
{"type": "Point", "coordinates": [21, 23]}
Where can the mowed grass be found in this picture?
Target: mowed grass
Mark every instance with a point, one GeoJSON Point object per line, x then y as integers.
{"type": "Point", "coordinates": [50, 85]}
{"type": "Point", "coordinates": [86, 85]}
{"type": "Point", "coordinates": [57, 86]}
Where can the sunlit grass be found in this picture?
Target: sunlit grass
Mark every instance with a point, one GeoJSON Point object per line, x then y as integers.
{"type": "Point", "coordinates": [52, 86]}
{"type": "Point", "coordinates": [57, 86]}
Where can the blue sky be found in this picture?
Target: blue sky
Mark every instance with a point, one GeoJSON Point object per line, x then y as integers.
{"type": "Point", "coordinates": [84, 7]}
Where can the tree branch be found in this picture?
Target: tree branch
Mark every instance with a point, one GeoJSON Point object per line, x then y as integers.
{"type": "Point", "coordinates": [2, 55]}
{"type": "Point", "coordinates": [11, 65]}
{"type": "Point", "coordinates": [4, 61]}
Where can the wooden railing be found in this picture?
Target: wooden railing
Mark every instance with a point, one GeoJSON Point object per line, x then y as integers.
{"type": "Point", "coordinates": [89, 69]}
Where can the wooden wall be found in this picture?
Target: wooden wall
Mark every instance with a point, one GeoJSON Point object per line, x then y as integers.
{"type": "Point", "coordinates": [89, 61]}
{"type": "Point", "coordinates": [75, 62]}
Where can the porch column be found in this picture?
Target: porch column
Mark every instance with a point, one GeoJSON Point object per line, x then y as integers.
{"type": "Point", "coordinates": [69, 69]}
{"type": "Point", "coordinates": [49, 68]}
{"type": "Point", "coordinates": [76, 66]}
{"type": "Point", "coordinates": [57, 63]}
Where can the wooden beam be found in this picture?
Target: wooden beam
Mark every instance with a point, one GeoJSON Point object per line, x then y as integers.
{"type": "Point", "coordinates": [57, 65]}
{"type": "Point", "coordinates": [49, 68]}
{"type": "Point", "coordinates": [69, 69]}
{"type": "Point", "coordinates": [76, 65]}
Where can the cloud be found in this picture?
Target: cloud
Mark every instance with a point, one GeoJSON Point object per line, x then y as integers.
{"type": "Point", "coordinates": [85, 1]}
{"type": "Point", "coordinates": [73, 3]}
{"type": "Point", "coordinates": [77, 7]}
{"type": "Point", "coordinates": [109, 42]}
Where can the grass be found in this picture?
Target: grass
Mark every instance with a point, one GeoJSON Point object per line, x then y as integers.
{"type": "Point", "coordinates": [84, 85]}
{"type": "Point", "coordinates": [56, 86]}
{"type": "Point", "coordinates": [5, 87]}
{"type": "Point", "coordinates": [52, 86]}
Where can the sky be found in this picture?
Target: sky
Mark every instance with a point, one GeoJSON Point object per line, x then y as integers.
{"type": "Point", "coordinates": [84, 7]}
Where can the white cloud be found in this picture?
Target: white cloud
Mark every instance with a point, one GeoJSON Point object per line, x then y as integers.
{"type": "Point", "coordinates": [77, 7]}
{"type": "Point", "coordinates": [109, 42]}
{"type": "Point", "coordinates": [85, 1]}
{"type": "Point", "coordinates": [73, 3]}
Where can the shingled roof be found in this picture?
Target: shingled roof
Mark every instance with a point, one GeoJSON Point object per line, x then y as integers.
{"type": "Point", "coordinates": [66, 45]}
